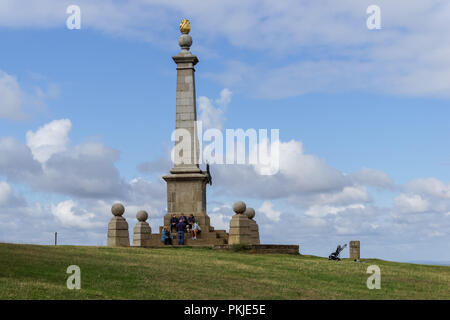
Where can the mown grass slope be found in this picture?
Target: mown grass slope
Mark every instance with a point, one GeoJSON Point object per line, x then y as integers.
{"type": "Point", "coordinates": [39, 272]}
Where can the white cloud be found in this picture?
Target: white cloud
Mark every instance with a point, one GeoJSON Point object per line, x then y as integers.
{"type": "Point", "coordinates": [92, 172]}
{"type": "Point", "coordinates": [429, 187]}
{"type": "Point", "coordinates": [220, 217]}
{"type": "Point", "coordinates": [49, 164]}
{"type": "Point", "coordinates": [411, 204]}
{"type": "Point", "coordinates": [7, 196]}
{"type": "Point", "coordinates": [212, 114]}
{"type": "Point", "coordinates": [225, 97]}
{"type": "Point", "coordinates": [16, 103]}
{"type": "Point", "coordinates": [16, 160]}
{"type": "Point", "coordinates": [430, 196]}
{"type": "Point", "coordinates": [11, 98]}
{"type": "Point", "coordinates": [50, 139]}
{"type": "Point", "coordinates": [328, 43]}
{"type": "Point", "coordinates": [320, 211]}
{"type": "Point", "coordinates": [299, 173]}
{"type": "Point", "coordinates": [269, 211]}
{"type": "Point", "coordinates": [5, 192]}
{"type": "Point", "coordinates": [69, 215]}
{"type": "Point", "coordinates": [372, 177]}
{"type": "Point", "coordinates": [348, 195]}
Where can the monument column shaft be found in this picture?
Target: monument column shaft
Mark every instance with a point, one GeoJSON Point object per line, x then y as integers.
{"type": "Point", "coordinates": [186, 112]}
{"type": "Point", "coordinates": [186, 183]}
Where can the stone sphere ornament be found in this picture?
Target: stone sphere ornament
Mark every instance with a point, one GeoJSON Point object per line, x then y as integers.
{"type": "Point", "coordinates": [185, 41]}
{"type": "Point", "coordinates": [117, 209]}
{"type": "Point", "coordinates": [250, 213]}
{"type": "Point", "coordinates": [239, 207]}
{"type": "Point", "coordinates": [142, 215]}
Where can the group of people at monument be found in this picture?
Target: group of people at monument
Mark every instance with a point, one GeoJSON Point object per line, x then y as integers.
{"type": "Point", "coordinates": [181, 224]}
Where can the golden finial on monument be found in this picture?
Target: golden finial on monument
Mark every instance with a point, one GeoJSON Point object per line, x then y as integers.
{"type": "Point", "coordinates": [185, 26]}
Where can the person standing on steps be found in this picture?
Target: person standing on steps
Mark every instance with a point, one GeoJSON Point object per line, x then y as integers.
{"type": "Point", "coordinates": [181, 228]}
{"type": "Point", "coordinates": [166, 237]}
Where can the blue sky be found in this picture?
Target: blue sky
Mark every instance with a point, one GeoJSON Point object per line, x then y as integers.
{"type": "Point", "coordinates": [367, 112]}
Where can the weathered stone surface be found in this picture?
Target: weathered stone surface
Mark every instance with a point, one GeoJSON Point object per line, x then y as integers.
{"type": "Point", "coordinates": [264, 248]}
{"type": "Point", "coordinates": [142, 227]}
{"type": "Point", "coordinates": [239, 207]}
{"type": "Point", "coordinates": [140, 242]}
{"type": "Point", "coordinates": [141, 236]}
{"type": "Point", "coordinates": [185, 41]}
{"type": "Point", "coordinates": [250, 213]}
{"type": "Point", "coordinates": [117, 209]}
{"type": "Point", "coordinates": [141, 232]}
{"type": "Point", "coordinates": [118, 235]}
{"type": "Point", "coordinates": [239, 230]}
{"type": "Point", "coordinates": [118, 223]}
{"type": "Point", "coordinates": [118, 242]}
{"type": "Point", "coordinates": [186, 193]}
{"type": "Point", "coordinates": [355, 247]}
{"type": "Point", "coordinates": [254, 232]}
{"type": "Point", "coordinates": [142, 215]}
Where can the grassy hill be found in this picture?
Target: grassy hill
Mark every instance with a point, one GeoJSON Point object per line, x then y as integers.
{"type": "Point", "coordinates": [39, 272]}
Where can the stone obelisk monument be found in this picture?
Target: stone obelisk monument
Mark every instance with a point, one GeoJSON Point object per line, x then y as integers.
{"type": "Point", "coordinates": [186, 183]}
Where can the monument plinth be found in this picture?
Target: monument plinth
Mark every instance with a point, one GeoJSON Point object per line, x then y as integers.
{"type": "Point", "coordinates": [118, 235]}
{"type": "Point", "coordinates": [142, 230]}
{"type": "Point", "coordinates": [186, 183]}
{"type": "Point", "coordinates": [239, 226]}
{"type": "Point", "coordinates": [254, 229]}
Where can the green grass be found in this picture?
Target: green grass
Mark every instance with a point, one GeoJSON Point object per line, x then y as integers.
{"type": "Point", "coordinates": [39, 272]}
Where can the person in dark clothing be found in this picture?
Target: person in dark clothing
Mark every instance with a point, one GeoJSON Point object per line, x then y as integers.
{"type": "Point", "coordinates": [181, 228]}
{"type": "Point", "coordinates": [173, 223]}
{"type": "Point", "coordinates": [190, 222]}
{"type": "Point", "coordinates": [182, 218]}
{"type": "Point", "coordinates": [166, 237]}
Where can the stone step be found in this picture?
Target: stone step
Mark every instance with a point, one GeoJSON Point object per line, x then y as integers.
{"type": "Point", "coordinates": [222, 233]}
{"type": "Point", "coordinates": [205, 236]}
{"type": "Point", "coordinates": [188, 241]}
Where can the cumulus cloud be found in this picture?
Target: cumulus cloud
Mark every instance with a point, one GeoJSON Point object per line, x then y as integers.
{"type": "Point", "coordinates": [270, 212]}
{"type": "Point", "coordinates": [51, 166]}
{"type": "Point", "coordinates": [212, 113]}
{"type": "Point", "coordinates": [7, 196]}
{"type": "Point", "coordinates": [66, 213]}
{"type": "Point", "coordinates": [220, 216]}
{"type": "Point", "coordinates": [16, 103]}
{"type": "Point", "coordinates": [299, 173]}
{"type": "Point", "coordinates": [430, 187]}
{"type": "Point", "coordinates": [11, 98]}
{"type": "Point", "coordinates": [411, 203]}
{"type": "Point", "coordinates": [16, 160]}
{"type": "Point", "coordinates": [92, 172]}
{"type": "Point", "coordinates": [354, 57]}
{"type": "Point", "coordinates": [428, 197]}
{"type": "Point", "coordinates": [372, 177]}
{"type": "Point", "coordinates": [324, 210]}
{"type": "Point", "coordinates": [50, 139]}
{"type": "Point", "coordinates": [48, 164]}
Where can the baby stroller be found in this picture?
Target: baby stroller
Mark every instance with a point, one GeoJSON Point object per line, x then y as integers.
{"type": "Point", "coordinates": [335, 255]}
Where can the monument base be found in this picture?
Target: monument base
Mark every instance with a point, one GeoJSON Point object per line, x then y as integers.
{"type": "Point", "coordinates": [186, 193]}
{"type": "Point", "coordinates": [255, 248]}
